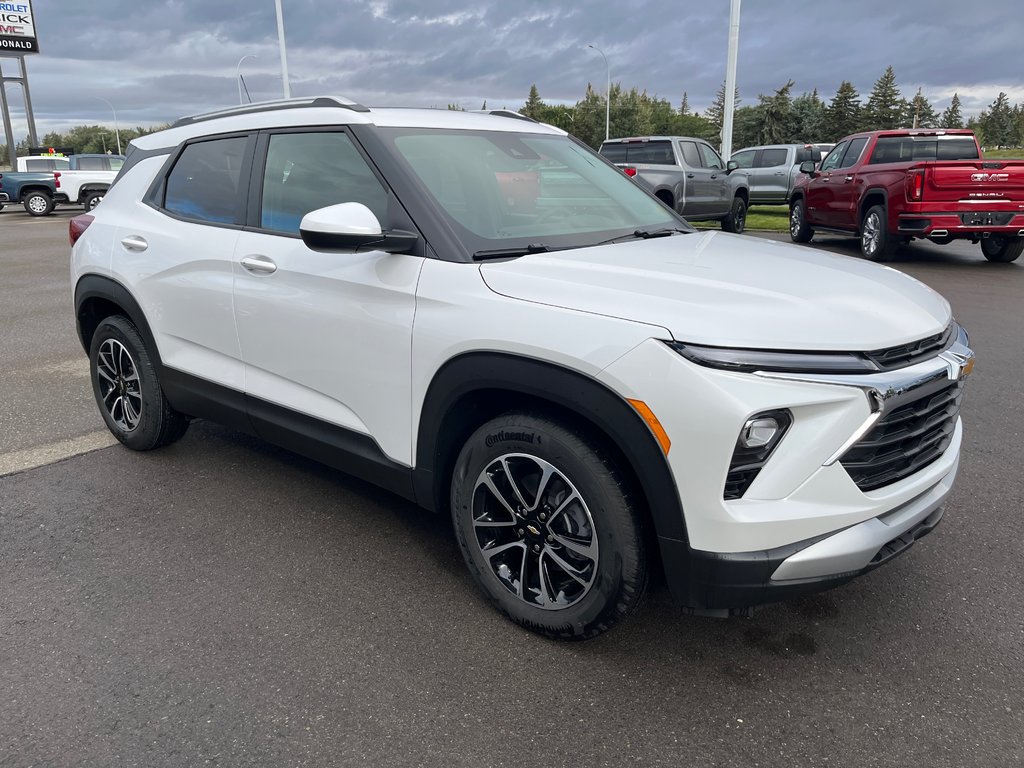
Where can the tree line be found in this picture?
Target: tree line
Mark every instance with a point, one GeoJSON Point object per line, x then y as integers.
{"type": "Point", "coordinates": [776, 118]}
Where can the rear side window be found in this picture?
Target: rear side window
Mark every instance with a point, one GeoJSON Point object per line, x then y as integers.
{"type": "Point", "coordinates": [44, 164]}
{"type": "Point", "coordinates": [203, 184]}
{"type": "Point", "coordinates": [306, 171]}
{"type": "Point", "coordinates": [690, 155]}
{"type": "Point", "coordinates": [772, 157]}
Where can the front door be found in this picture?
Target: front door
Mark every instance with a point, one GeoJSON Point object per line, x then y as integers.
{"type": "Point", "coordinates": [821, 190]}
{"type": "Point", "coordinates": [324, 335]}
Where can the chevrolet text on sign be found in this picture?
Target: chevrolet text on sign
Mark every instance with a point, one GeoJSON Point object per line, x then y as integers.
{"type": "Point", "coordinates": [17, 29]}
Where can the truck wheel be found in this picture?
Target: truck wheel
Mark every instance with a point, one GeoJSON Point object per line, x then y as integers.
{"type": "Point", "coordinates": [38, 204]}
{"type": "Point", "coordinates": [799, 230]}
{"type": "Point", "coordinates": [875, 243]}
{"type": "Point", "coordinates": [127, 388]}
{"type": "Point", "coordinates": [1002, 248]}
{"type": "Point", "coordinates": [548, 527]}
{"type": "Point", "coordinates": [92, 200]}
{"type": "Point", "coordinates": [737, 217]}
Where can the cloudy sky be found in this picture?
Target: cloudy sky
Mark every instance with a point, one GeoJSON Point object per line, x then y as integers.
{"type": "Point", "coordinates": [156, 61]}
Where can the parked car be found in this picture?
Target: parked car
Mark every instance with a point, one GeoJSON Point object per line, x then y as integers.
{"type": "Point", "coordinates": [34, 190]}
{"type": "Point", "coordinates": [772, 170]}
{"type": "Point", "coordinates": [686, 174]}
{"type": "Point", "coordinates": [87, 179]}
{"type": "Point", "coordinates": [889, 187]}
{"type": "Point", "coordinates": [43, 163]}
{"type": "Point", "coordinates": [583, 382]}
{"type": "Point", "coordinates": [823, 150]}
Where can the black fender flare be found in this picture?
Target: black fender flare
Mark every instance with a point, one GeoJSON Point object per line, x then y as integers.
{"type": "Point", "coordinates": [862, 204]}
{"type": "Point", "coordinates": [109, 290]}
{"type": "Point", "coordinates": [538, 379]}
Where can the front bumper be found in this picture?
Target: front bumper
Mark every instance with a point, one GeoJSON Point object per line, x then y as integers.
{"type": "Point", "coordinates": [730, 581]}
{"type": "Point", "coordinates": [4, 198]}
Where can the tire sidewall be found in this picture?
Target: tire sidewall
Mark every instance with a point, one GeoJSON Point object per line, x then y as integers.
{"type": "Point", "coordinates": [48, 207]}
{"type": "Point", "coordinates": [148, 430]}
{"type": "Point", "coordinates": [884, 247]}
{"type": "Point", "coordinates": [616, 529]}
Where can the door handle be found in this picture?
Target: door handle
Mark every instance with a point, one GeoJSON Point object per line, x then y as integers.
{"type": "Point", "coordinates": [714, 175]}
{"type": "Point", "coordinates": [780, 173]}
{"type": "Point", "coordinates": [135, 243]}
{"type": "Point", "coordinates": [848, 179]}
{"type": "Point", "coordinates": [689, 175]}
{"type": "Point", "coordinates": [259, 265]}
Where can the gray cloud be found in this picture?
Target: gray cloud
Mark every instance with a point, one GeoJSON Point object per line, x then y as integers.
{"type": "Point", "coordinates": [157, 61]}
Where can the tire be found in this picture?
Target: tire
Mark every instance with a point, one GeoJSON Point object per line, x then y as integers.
{"type": "Point", "coordinates": [737, 217]}
{"type": "Point", "coordinates": [127, 389]}
{"type": "Point", "coordinates": [875, 243]}
{"type": "Point", "coordinates": [799, 230]}
{"type": "Point", "coordinates": [573, 519]}
{"type": "Point", "coordinates": [38, 204]}
{"type": "Point", "coordinates": [1002, 248]}
{"type": "Point", "coordinates": [91, 200]}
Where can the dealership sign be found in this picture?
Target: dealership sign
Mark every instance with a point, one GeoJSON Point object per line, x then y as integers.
{"type": "Point", "coordinates": [17, 28]}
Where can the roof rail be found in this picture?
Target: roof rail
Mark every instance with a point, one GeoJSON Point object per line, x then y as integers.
{"type": "Point", "coordinates": [504, 113]}
{"type": "Point", "coordinates": [272, 106]}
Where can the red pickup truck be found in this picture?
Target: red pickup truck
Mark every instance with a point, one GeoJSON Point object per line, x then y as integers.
{"type": "Point", "coordinates": [889, 187]}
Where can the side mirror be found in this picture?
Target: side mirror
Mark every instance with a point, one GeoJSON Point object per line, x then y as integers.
{"type": "Point", "coordinates": [351, 227]}
{"type": "Point", "coordinates": [807, 166]}
{"type": "Point", "coordinates": [731, 166]}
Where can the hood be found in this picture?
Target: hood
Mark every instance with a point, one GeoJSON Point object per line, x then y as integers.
{"type": "Point", "coordinates": [729, 290]}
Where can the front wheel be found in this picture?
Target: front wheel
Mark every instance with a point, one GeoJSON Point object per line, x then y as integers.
{"type": "Point", "coordinates": [875, 243]}
{"type": "Point", "coordinates": [127, 389]}
{"type": "Point", "coordinates": [737, 217]}
{"type": "Point", "coordinates": [38, 204]}
{"type": "Point", "coordinates": [548, 527]}
{"type": "Point", "coordinates": [799, 230]}
{"type": "Point", "coordinates": [1001, 248]}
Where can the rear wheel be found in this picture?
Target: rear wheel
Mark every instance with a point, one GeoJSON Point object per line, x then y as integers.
{"type": "Point", "coordinates": [548, 527]}
{"type": "Point", "coordinates": [38, 204]}
{"type": "Point", "coordinates": [875, 243]}
{"type": "Point", "coordinates": [128, 390]}
{"type": "Point", "coordinates": [799, 230]}
{"type": "Point", "coordinates": [1001, 248]}
{"type": "Point", "coordinates": [737, 218]}
{"type": "Point", "coordinates": [92, 199]}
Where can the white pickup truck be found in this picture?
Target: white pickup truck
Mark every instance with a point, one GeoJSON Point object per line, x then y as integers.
{"type": "Point", "coordinates": [87, 179]}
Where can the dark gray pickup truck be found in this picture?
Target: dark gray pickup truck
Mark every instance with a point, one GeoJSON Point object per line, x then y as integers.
{"type": "Point", "coordinates": [686, 174]}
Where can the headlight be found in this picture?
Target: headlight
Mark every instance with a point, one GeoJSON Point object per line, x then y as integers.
{"type": "Point", "coordinates": [750, 360]}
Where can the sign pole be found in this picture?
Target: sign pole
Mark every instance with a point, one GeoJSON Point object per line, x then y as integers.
{"type": "Point", "coordinates": [12, 152]}
{"type": "Point", "coordinates": [29, 115]}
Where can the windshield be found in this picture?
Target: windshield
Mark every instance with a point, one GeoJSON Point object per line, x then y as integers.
{"type": "Point", "coordinates": [511, 190]}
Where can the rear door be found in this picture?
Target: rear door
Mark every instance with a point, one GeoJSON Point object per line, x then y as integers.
{"type": "Point", "coordinates": [848, 186]}
{"type": "Point", "coordinates": [696, 199]}
{"type": "Point", "coordinates": [769, 180]}
{"type": "Point", "coordinates": [719, 193]}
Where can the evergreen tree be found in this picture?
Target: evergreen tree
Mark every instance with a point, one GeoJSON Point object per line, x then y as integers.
{"type": "Point", "coordinates": [483, 106]}
{"type": "Point", "coordinates": [920, 113]}
{"type": "Point", "coordinates": [842, 116]}
{"type": "Point", "coordinates": [883, 109]}
{"type": "Point", "coordinates": [684, 106]}
{"type": "Point", "coordinates": [951, 117]}
{"type": "Point", "coordinates": [533, 106]}
{"type": "Point", "coordinates": [808, 118]}
{"type": "Point", "coordinates": [775, 116]}
{"type": "Point", "coordinates": [997, 122]}
{"type": "Point", "coordinates": [746, 126]}
{"type": "Point", "coordinates": [716, 112]}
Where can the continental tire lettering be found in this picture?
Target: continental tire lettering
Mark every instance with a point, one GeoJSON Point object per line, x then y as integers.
{"type": "Point", "coordinates": [506, 437]}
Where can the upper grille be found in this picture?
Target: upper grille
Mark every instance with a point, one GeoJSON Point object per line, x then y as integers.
{"type": "Point", "coordinates": [906, 440]}
{"type": "Point", "coordinates": [908, 354]}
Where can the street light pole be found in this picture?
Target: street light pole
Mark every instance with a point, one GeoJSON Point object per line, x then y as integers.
{"type": "Point", "coordinates": [607, 91]}
{"type": "Point", "coordinates": [238, 74]}
{"type": "Point", "coordinates": [730, 79]}
{"type": "Point", "coordinates": [284, 55]}
{"type": "Point", "coordinates": [117, 132]}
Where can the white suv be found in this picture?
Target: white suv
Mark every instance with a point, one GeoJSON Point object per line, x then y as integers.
{"type": "Point", "coordinates": [483, 315]}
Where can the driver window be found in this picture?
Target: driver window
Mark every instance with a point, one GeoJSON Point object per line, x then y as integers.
{"type": "Point", "coordinates": [832, 158]}
{"type": "Point", "coordinates": [710, 157]}
{"type": "Point", "coordinates": [744, 159]}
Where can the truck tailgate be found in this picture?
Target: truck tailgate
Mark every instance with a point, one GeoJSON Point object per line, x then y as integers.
{"type": "Point", "coordinates": [995, 181]}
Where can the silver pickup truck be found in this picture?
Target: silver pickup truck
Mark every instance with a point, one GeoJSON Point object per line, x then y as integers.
{"type": "Point", "coordinates": [686, 174]}
{"type": "Point", "coordinates": [771, 170]}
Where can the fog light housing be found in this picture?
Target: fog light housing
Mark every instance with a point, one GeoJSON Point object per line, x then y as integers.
{"type": "Point", "coordinates": [758, 439]}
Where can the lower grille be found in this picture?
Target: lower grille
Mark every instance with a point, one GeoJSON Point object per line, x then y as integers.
{"type": "Point", "coordinates": [906, 440]}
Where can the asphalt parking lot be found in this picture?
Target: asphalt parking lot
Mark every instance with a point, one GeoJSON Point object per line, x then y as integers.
{"type": "Point", "coordinates": [224, 602]}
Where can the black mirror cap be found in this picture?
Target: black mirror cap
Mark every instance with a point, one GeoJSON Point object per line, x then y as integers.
{"type": "Point", "coordinates": [807, 166]}
{"type": "Point", "coordinates": [393, 241]}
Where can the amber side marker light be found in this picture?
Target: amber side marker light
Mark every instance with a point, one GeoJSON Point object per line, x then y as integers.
{"type": "Point", "coordinates": [652, 421]}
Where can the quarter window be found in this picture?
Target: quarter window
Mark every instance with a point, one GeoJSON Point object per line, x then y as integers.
{"type": "Point", "coordinates": [306, 171]}
{"type": "Point", "coordinates": [203, 184]}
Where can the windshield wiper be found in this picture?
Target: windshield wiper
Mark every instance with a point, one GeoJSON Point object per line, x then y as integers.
{"type": "Point", "coordinates": [646, 234]}
{"type": "Point", "coordinates": [512, 253]}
